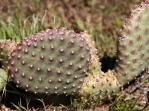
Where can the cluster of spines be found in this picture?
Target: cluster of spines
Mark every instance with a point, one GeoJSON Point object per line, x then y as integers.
{"type": "Point", "coordinates": [53, 61]}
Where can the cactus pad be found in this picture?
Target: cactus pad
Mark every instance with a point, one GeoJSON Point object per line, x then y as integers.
{"type": "Point", "coordinates": [101, 86]}
{"type": "Point", "coordinates": [133, 45]}
{"type": "Point", "coordinates": [6, 47]}
{"type": "Point", "coordinates": [54, 61]}
{"type": "Point", "coordinates": [95, 65]}
{"type": "Point", "coordinates": [3, 78]}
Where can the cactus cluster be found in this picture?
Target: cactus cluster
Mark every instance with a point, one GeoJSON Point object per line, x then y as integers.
{"type": "Point", "coordinates": [59, 61]}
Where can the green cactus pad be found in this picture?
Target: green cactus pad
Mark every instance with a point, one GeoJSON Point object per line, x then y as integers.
{"type": "Point", "coordinates": [54, 61]}
{"type": "Point", "coordinates": [6, 47]}
{"type": "Point", "coordinates": [133, 45]}
{"type": "Point", "coordinates": [101, 86]}
{"type": "Point", "coordinates": [3, 78]}
{"type": "Point", "coordinates": [95, 65]}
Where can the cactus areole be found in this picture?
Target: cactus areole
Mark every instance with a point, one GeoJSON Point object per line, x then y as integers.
{"type": "Point", "coordinates": [54, 61]}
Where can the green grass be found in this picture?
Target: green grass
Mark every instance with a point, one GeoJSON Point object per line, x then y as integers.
{"type": "Point", "coordinates": [102, 20]}
{"type": "Point", "coordinates": [16, 29]}
{"type": "Point", "coordinates": [123, 104]}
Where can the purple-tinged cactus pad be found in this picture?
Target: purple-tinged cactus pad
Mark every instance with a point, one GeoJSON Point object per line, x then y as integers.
{"type": "Point", "coordinates": [54, 61]}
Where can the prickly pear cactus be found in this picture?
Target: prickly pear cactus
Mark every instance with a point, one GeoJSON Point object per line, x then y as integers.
{"type": "Point", "coordinates": [6, 47]}
{"type": "Point", "coordinates": [133, 45]}
{"type": "Point", "coordinates": [54, 61]}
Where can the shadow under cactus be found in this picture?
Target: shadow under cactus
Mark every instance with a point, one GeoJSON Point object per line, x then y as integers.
{"type": "Point", "coordinates": [107, 63]}
{"type": "Point", "coordinates": [16, 96]}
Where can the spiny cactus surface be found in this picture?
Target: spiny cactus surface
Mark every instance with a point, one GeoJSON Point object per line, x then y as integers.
{"type": "Point", "coordinates": [133, 45]}
{"type": "Point", "coordinates": [95, 65]}
{"type": "Point", "coordinates": [132, 57]}
{"type": "Point", "coordinates": [54, 61]}
{"type": "Point", "coordinates": [6, 47]}
{"type": "Point", "coordinates": [101, 86]}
